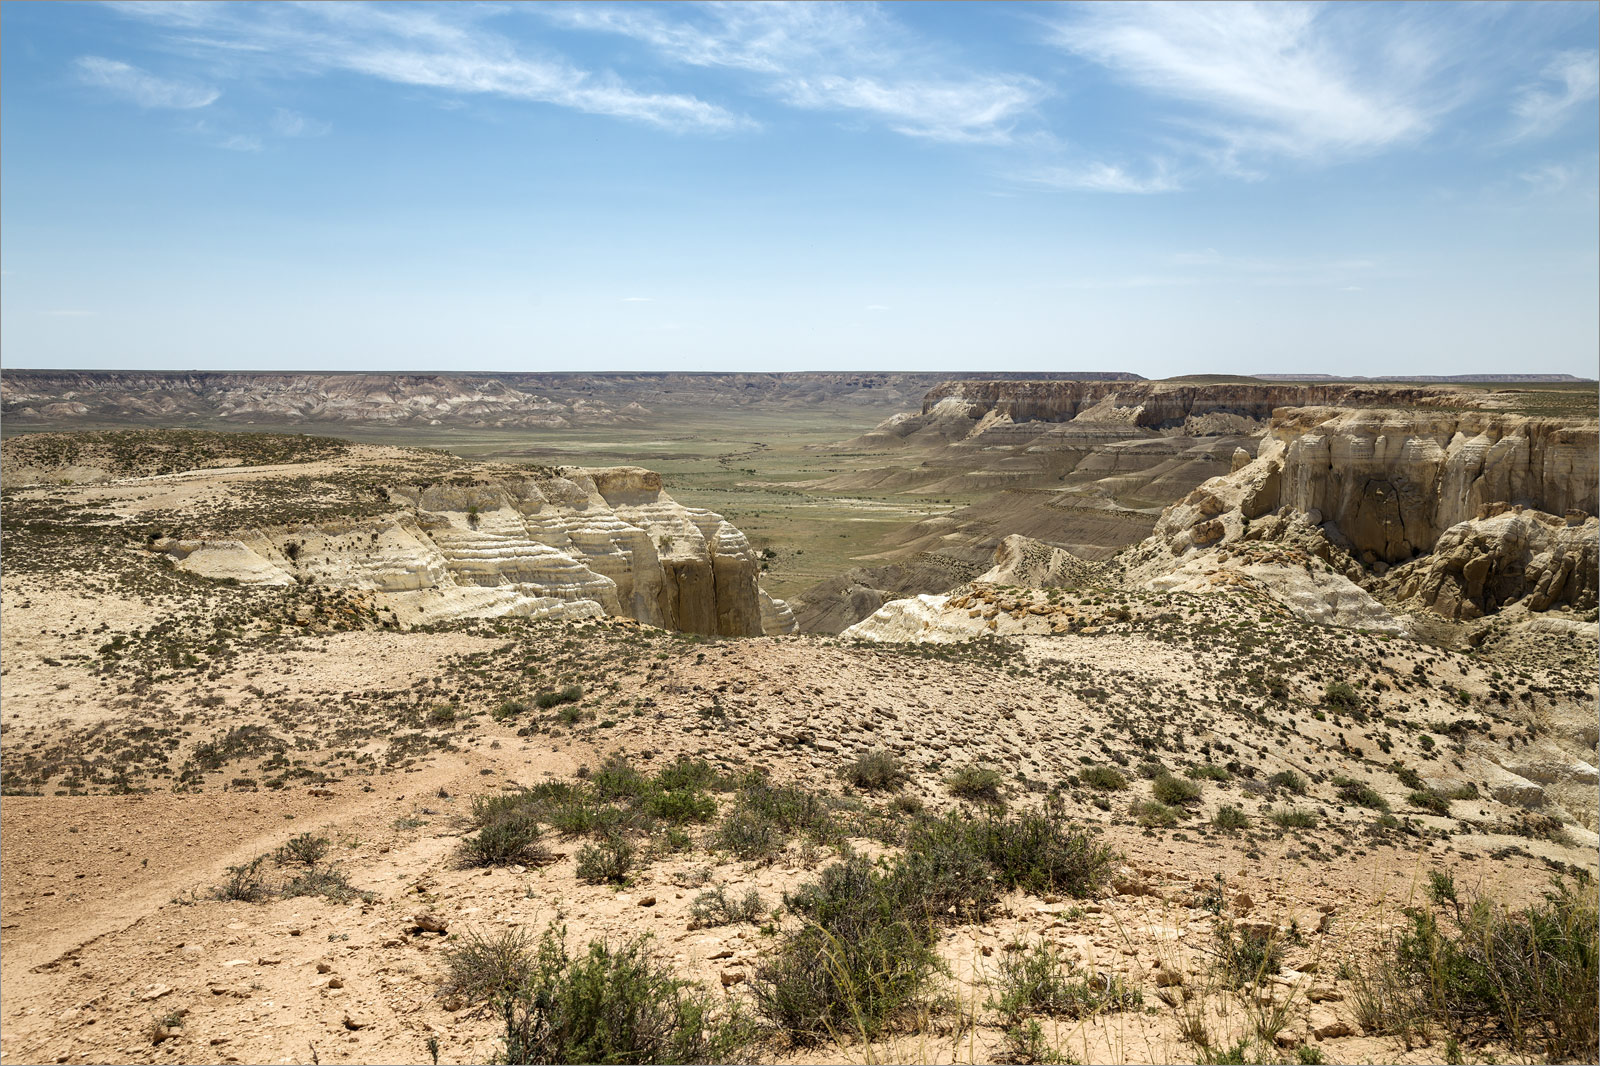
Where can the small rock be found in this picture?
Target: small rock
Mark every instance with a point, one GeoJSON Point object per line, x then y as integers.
{"type": "Point", "coordinates": [155, 992]}
{"type": "Point", "coordinates": [731, 977]}
{"type": "Point", "coordinates": [725, 953]}
{"type": "Point", "coordinates": [324, 792]}
{"type": "Point", "coordinates": [1333, 1030]}
{"type": "Point", "coordinates": [355, 1024]}
{"type": "Point", "coordinates": [1168, 978]}
{"type": "Point", "coordinates": [426, 922]}
{"type": "Point", "coordinates": [324, 967]}
{"type": "Point", "coordinates": [334, 982]}
{"type": "Point", "coordinates": [648, 901]}
{"type": "Point", "coordinates": [1243, 904]}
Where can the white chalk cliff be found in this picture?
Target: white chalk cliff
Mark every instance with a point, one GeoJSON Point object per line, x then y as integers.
{"type": "Point", "coordinates": [585, 544]}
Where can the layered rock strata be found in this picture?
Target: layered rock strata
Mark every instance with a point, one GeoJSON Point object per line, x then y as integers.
{"type": "Point", "coordinates": [605, 541]}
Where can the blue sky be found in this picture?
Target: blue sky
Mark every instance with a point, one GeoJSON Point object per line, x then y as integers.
{"type": "Point", "coordinates": [1362, 189]}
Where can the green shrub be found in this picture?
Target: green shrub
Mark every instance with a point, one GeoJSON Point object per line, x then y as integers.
{"type": "Point", "coordinates": [975, 782]}
{"type": "Point", "coordinates": [1409, 777]}
{"type": "Point", "coordinates": [688, 775]}
{"type": "Point", "coordinates": [715, 907]}
{"type": "Point", "coordinates": [512, 839]}
{"type": "Point", "coordinates": [614, 1005]}
{"type": "Point", "coordinates": [1429, 801]}
{"type": "Point", "coordinates": [1152, 814]}
{"type": "Point", "coordinates": [1105, 778]}
{"type": "Point", "coordinates": [569, 694]}
{"type": "Point", "coordinates": [1293, 818]}
{"type": "Point", "coordinates": [748, 835]}
{"type": "Point", "coordinates": [1484, 970]}
{"type": "Point", "coordinates": [329, 882]}
{"type": "Point", "coordinates": [609, 860]}
{"type": "Point", "coordinates": [1247, 955]}
{"type": "Point", "coordinates": [1289, 781]}
{"type": "Point", "coordinates": [618, 780]}
{"type": "Point", "coordinates": [483, 969]}
{"type": "Point", "coordinates": [1341, 696]}
{"type": "Point", "coordinates": [1230, 817]}
{"type": "Point", "coordinates": [1359, 793]}
{"type": "Point", "coordinates": [244, 883]}
{"type": "Point", "coordinates": [875, 771]}
{"type": "Point", "coordinates": [1174, 791]}
{"type": "Point", "coordinates": [861, 961]}
{"type": "Point", "coordinates": [944, 871]}
{"type": "Point", "coordinates": [303, 850]}
{"type": "Point", "coordinates": [1208, 772]}
{"type": "Point", "coordinates": [1038, 981]}
{"type": "Point", "coordinates": [681, 806]}
{"type": "Point", "coordinates": [1040, 851]}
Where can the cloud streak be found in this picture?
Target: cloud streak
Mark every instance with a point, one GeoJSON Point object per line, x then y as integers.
{"type": "Point", "coordinates": [1571, 80]}
{"type": "Point", "coordinates": [422, 47]}
{"type": "Point", "coordinates": [141, 87]}
{"type": "Point", "coordinates": [848, 58]}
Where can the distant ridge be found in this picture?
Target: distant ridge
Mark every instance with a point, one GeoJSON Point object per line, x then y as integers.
{"type": "Point", "coordinates": [1464, 379]}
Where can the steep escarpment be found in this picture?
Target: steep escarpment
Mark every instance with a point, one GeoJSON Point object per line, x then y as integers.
{"type": "Point", "coordinates": [957, 410]}
{"type": "Point", "coordinates": [1475, 511]}
{"type": "Point", "coordinates": [68, 398]}
{"type": "Point", "coordinates": [586, 543]}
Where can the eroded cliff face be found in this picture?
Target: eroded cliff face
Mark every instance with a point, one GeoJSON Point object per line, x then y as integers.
{"type": "Point", "coordinates": [606, 541]}
{"type": "Point", "coordinates": [1154, 404]}
{"type": "Point", "coordinates": [1474, 510]}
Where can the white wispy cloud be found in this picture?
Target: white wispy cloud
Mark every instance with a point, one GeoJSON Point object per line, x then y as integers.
{"type": "Point", "coordinates": [848, 58]}
{"type": "Point", "coordinates": [1284, 78]}
{"type": "Point", "coordinates": [1100, 177]}
{"type": "Point", "coordinates": [288, 123]}
{"type": "Point", "coordinates": [142, 87]}
{"type": "Point", "coordinates": [1571, 80]}
{"type": "Point", "coordinates": [447, 49]}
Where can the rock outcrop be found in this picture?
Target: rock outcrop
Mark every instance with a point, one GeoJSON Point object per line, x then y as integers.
{"type": "Point", "coordinates": [1462, 506]}
{"type": "Point", "coordinates": [957, 410]}
{"type": "Point", "coordinates": [1482, 564]}
{"type": "Point", "coordinates": [590, 542]}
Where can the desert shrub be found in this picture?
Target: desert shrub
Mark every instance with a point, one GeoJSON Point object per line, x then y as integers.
{"type": "Point", "coordinates": [618, 780]}
{"type": "Point", "coordinates": [609, 860]}
{"type": "Point", "coordinates": [944, 871]}
{"type": "Point", "coordinates": [748, 835]}
{"type": "Point", "coordinates": [1208, 772]}
{"type": "Point", "coordinates": [303, 850]}
{"type": "Point", "coordinates": [1105, 778]}
{"type": "Point", "coordinates": [511, 839]}
{"type": "Point", "coordinates": [1429, 801]}
{"type": "Point", "coordinates": [907, 803]}
{"type": "Point", "coordinates": [1289, 781]}
{"type": "Point", "coordinates": [1174, 791]}
{"type": "Point", "coordinates": [1409, 777]}
{"type": "Point", "coordinates": [329, 882]}
{"type": "Point", "coordinates": [876, 771]}
{"type": "Point", "coordinates": [1230, 817]}
{"type": "Point", "coordinates": [975, 782]}
{"type": "Point", "coordinates": [569, 694]}
{"type": "Point", "coordinates": [1484, 970]}
{"type": "Point", "coordinates": [715, 907]}
{"type": "Point", "coordinates": [569, 716]}
{"type": "Point", "coordinates": [482, 968]}
{"type": "Point", "coordinates": [688, 775]}
{"type": "Point", "coordinates": [1341, 696]}
{"type": "Point", "coordinates": [1042, 852]}
{"type": "Point", "coordinates": [681, 806]}
{"type": "Point", "coordinates": [444, 714]}
{"type": "Point", "coordinates": [789, 808]}
{"type": "Point", "coordinates": [861, 961]}
{"type": "Point", "coordinates": [1152, 814]}
{"type": "Point", "coordinates": [1247, 955]}
{"type": "Point", "coordinates": [244, 883]}
{"type": "Point", "coordinates": [1038, 980]}
{"type": "Point", "coordinates": [510, 709]}
{"type": "Point", "coordinates": [615, 1005]}
{"type": "Point", "coordinates": [1359, 793]}
{"type": "Point", "coordinates": [1293, 818]}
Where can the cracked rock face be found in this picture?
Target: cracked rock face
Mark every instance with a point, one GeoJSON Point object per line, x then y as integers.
{"type": "Point", "coordinates": [590, 543]}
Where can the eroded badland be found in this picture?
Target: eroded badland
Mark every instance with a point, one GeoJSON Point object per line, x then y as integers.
{"type": "Point", "coordinates": [911, 719]}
